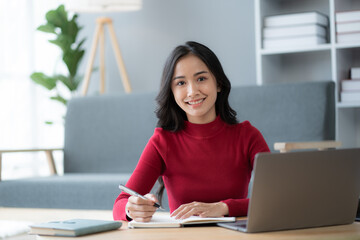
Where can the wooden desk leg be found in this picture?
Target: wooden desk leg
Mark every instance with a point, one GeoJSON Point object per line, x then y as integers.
{"type": "Point", "coordinates": [51, 162]}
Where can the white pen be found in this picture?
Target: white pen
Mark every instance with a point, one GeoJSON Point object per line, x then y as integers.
{"type": "Point", "coordinates": [133, 193]}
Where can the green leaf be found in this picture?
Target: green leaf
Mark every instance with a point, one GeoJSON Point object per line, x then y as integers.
{"type": "Point", "coordinates": [48, 28]}
{"type": "Point", "coordinates": [43, 80]}
{"type": "Point", "coordinates": [72, 28]}
{"type": "Point", "coordinates": [67, 81]}
{"type": "Point", "coordinates": [63, 41]}
{"type": "Point", "coordinates": [72, 59]}
{"type": "Point", "coordinates": [80, 44]}
{"type": "Point", "coordinates": [49, 123]}
{"type": "Point", "coordinates": [57, 17]}
{"type": "Point", "coordinates": [59, 99]}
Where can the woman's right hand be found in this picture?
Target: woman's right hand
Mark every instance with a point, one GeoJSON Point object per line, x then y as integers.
{"type": "Point", "coordinates": [141, 210]}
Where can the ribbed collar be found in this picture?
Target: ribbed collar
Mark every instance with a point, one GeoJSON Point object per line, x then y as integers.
{"type": "Point", "coordinates": [204, 130]}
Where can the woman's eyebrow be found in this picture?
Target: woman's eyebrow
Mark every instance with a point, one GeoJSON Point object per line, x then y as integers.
{"type": "Point", "coordinates": [195, 74]}
{"type": "Point", "coordinates": [201, 72]}
{"type": "Point", "coordinates": [178, 77]}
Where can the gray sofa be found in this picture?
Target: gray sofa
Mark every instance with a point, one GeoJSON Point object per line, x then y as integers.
{"type": "Point", "coordinates": [105, 135]}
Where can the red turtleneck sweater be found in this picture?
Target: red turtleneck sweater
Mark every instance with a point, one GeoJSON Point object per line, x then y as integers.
{"type": "Point", "coordinates": [204, 162]}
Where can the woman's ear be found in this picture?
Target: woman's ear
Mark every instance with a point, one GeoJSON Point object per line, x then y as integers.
{"type": "Point", "coordinates": [218, 89]}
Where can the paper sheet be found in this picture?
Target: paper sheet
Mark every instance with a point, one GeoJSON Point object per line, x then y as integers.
{"type": "Point", "coordinates": [11, 228]}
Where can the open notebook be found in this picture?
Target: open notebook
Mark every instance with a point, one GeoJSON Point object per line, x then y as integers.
{"type": "Point", "coordinates": [165, 221]}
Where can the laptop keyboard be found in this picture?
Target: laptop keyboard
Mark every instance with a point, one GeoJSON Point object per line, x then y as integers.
{"type": "Point", "coordinates": [238, 225]}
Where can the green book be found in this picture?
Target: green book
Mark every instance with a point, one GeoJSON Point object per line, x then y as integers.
{"type": "Point", "coordinates": [74, 227]}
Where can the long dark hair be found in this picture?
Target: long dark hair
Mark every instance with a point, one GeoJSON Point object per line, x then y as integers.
{"type": "Point", "coordinates": [171, 116]}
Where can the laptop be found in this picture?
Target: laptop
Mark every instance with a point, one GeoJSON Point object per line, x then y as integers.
{"type": "Point", "coordinates": [302, 190]}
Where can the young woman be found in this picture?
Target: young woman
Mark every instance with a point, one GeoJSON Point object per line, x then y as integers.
{"type": "Point", "coordinates": [199, 150]}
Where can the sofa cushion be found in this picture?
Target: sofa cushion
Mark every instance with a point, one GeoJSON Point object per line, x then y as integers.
{"type": "Point", "coordinates": [107, 134]}
{"type": "Point", "coordinates": [73, 191]}
{"type": "Point", "coordinates": [288, 112]}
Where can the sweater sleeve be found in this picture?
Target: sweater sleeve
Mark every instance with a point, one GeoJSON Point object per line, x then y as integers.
{"type": "Point", "coordinates": [254, 143]}
{"type": "Point", "coordinates": [147, 171]}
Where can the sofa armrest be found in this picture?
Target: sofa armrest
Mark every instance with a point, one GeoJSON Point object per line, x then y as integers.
{"type": "Point", "coordinates": [48, 152]}
{"type": "Point", "coordinates": [289, 146]}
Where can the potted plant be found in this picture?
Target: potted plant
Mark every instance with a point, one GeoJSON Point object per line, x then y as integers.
{"type": "Point", "coordinates": [66, 32]}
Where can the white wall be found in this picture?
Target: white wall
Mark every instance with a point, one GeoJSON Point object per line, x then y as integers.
{"type": "Point", "coordinates": [146, 38]}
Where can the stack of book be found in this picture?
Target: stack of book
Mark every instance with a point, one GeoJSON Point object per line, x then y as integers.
{"type": "Point", "coordinates": [347, 26]}
{"type": "Point", "coordinates": [295, 30]}
{"type": "Point", "coordinates": [350, 88]}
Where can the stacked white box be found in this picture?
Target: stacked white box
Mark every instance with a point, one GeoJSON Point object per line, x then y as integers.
{"type": "Point", "coordinates": [347, 26]}
{"type": "Point", "coordinates": [350, 88]}
{"type": "Point", "coordinates": [295, 30]}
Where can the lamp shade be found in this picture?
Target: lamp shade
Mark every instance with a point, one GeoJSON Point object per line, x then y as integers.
{"type": "Point", "coordinates": [103, 5]}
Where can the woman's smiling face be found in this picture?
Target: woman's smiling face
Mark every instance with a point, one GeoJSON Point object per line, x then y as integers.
{"type": "Point", "coordinates": [195, 89]}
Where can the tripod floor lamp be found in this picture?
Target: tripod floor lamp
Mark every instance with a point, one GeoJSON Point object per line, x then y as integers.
{"type": "Point", "coordinates": [101, 6]}
{"type": "Point", "coordinates": [99, 40]}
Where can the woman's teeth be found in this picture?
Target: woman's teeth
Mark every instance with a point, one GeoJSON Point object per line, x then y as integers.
{"type": "Point", "coordinates": [195, 102]}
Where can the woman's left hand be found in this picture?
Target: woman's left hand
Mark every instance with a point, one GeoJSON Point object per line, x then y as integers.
{"type": "Point", "coordinates": [217, 209]}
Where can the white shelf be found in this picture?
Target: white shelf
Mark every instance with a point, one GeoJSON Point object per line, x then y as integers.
{"type": "Point", "coordinates": [322, 47]}
{"type": "Point", "coordinates": [348, 105]}
{"type": "Point", "coordinates": [347, 45]}
{"type": "Point", "coordinates": [330, 61]}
